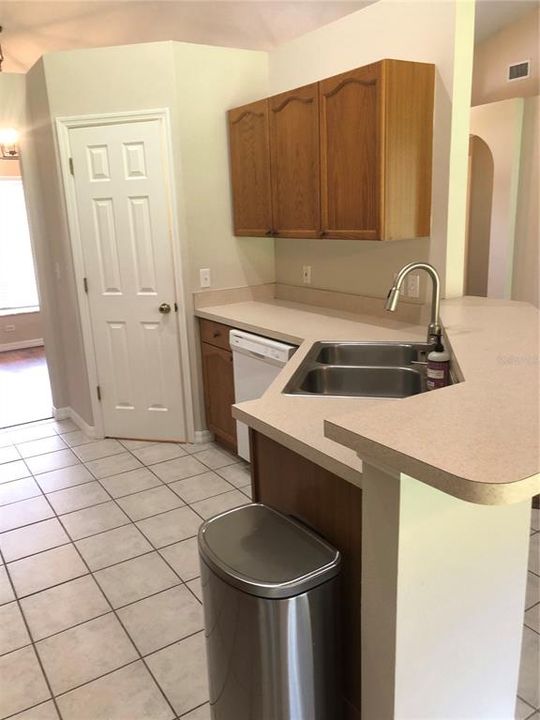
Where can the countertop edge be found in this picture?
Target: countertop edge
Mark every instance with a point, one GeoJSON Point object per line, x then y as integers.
{"type": "Point", "coordinates": [479, 493]}
{"type": "Point", "coordinates": [249, 327]}
{"type": "Point", "coordinates": [306, 451]}
{"type": "Point", "coordinates": [462, 487]}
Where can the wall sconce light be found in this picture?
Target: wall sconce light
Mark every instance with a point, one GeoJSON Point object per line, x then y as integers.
{"type": "Point", "coordinates": [8, 144]}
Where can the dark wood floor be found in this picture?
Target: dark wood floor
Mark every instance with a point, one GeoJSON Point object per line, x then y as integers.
{"type": "Point", "coordinates": [25, 391]}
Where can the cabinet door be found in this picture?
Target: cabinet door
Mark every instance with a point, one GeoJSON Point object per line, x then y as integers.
{"type": "Point", "coordinates": [250, 169]}
{"type": "Point", "coordinates": [219, 392]}
{"type": "Point", "coordinates": [332, 507]}
{"type": "Point", "coordinates": [294, 148]}
{"type": "Point", "coordinates": [350, 154]}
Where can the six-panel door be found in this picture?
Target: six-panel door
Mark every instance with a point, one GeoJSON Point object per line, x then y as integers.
{"type": "Point", "coordinates": [124, 224]}
{"type": "Point", "coordinates": [294, 150]}
{"type": "Point", "coordinates": [250, 169]}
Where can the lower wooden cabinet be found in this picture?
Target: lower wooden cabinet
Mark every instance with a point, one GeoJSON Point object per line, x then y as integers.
{"type": "Point", "coordinates": [218, 378]}
{"type": "Point", "coordinates": [332, 507]}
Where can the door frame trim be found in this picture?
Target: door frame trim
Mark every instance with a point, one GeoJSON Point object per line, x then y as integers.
{"type": "Point", "coordinates": [63, 126]}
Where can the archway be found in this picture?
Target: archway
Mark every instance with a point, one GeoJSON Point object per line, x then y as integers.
{"type": "Point", "coordinates": [480, 198]}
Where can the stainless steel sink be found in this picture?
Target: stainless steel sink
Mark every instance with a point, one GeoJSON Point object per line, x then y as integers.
{"type": "Point", "coordinates": [367, 354]}
{"type": "Point", "coordinates": [391, 382]}
{"type": "Point", "coordinates": [361, 369]}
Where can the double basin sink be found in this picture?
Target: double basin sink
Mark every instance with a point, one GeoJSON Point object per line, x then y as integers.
{"type": "Point", "coordinates": [361, 369]}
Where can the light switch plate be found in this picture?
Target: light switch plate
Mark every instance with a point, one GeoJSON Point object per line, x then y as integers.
{"type": "Point", "coordinates": [306, 274]}
{"type": "Point", "coordinates": [204, 275]}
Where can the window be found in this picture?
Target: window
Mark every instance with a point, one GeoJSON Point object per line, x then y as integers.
{"type": "Point", "coordinates": [18, 289]}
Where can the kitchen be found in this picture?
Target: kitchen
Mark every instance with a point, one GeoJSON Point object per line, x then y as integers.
{"type": "Point", "coordinates": [278, 253]}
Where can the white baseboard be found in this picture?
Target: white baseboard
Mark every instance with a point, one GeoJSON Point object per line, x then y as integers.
{"type": "Point", "coordinates": [21, 344]}
{"type": "Point", "coordinates": [202, 436]}
{"type": "Point", "coordinates": [89, 430]}
{"type": "Point", "coordinates": [60, 413]}
{"type": "Point", "coordinates": [68, 412]}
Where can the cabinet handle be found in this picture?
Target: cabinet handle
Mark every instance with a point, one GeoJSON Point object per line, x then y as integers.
{"type": "Point", "coordinates": [216, 333]}
{"type": "Point", "coordinates": [269, 233]}
{"type": "Point", "coordinates": [323, 233]}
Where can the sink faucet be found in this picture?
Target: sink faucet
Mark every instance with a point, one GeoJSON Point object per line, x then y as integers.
{"type": "Point", "coordinates": [434, 327]}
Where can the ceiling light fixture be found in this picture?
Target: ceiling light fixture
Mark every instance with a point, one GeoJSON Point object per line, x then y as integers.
{"type": "Point", "coordinates": [8, 144]}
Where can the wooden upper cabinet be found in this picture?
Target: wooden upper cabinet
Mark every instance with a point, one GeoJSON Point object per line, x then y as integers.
{"type": "Point", "coordinates": [407, 160]}
{"type": "Point", "coordinates": [294, 152]}
{"type": "Point", "coordinates": [350, 153]}
{"type": "Point", "coordinates": [351, 161]}
{"type": "Point", "coordinates": [250, 169]}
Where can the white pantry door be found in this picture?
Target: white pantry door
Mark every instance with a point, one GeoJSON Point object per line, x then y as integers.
{"type": "Point", "coordinates": [125, 230]}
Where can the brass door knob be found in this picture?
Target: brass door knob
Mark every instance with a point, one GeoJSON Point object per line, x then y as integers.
{"type": "Point", "coordinates": [164, 308]}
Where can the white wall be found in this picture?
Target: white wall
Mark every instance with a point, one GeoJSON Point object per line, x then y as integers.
{"type": "Point", "coordinates": [19, 330]}
{"type": "Point", "coordinates": [499, 125]}
{"type": "Point", "coordinates": [47, 226]}
{"type": "Point", "coordinates": [419, 31]}
{"type": "Point", "coordinates": [513, 43]}
{"type": "Point", "coordinates": [526, 248]}
{"type": "Point", "coordinates": [209, 81]}
{"type": "Point", "coordinates": [198, 84]}
{"type": "Point", "coordinates": [12, 101]}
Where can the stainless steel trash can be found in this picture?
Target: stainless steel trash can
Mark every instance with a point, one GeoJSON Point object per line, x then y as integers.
{"type": "Point", "coordinates": [269, 590]}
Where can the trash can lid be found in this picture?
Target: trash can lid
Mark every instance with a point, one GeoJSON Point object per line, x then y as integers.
{"type": "Point", "coordinates": [264, 553]}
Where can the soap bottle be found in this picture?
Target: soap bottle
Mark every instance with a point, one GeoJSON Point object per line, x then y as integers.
{"type": "Point", "coordinates": [438, 367]}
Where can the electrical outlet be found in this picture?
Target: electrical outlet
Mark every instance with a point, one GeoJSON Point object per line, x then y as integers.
{"type": "Point", "coordinates": [204, 275]}
{"type": "Point", "coordinates": [9, 328]}
{"type": "Point", "coordinates": [306, 274]}
{"type": "Point", "coordinates": [413, 285]}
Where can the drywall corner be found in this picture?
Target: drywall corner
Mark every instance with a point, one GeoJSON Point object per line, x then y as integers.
{"type": "Point", "coordinates": [456, 232]}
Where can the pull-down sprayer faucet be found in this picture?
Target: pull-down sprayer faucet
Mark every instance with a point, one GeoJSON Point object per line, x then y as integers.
{"type": "Point", "coordinates": [434, 328]}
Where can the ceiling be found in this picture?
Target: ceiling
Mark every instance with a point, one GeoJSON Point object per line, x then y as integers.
{"type": "Point", "coordinates": [492, 15]}
{"type": "Point", "coordinates": [35, 27]}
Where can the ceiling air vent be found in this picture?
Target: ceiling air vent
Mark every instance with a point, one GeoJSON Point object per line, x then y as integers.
{"type": "Point", "coordinates": [518, 71]}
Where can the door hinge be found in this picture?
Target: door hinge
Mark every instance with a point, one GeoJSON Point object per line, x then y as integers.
{"type": "Point", "coordinates": [98, 390]}
{"type": "Point", "coordinates": [71, 166]}
{"type": "Point", "coordinates": [175, 307]}
{"type": "Point", "coordinates": [85, 285]}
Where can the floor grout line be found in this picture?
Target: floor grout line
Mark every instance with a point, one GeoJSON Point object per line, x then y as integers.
{"type": "Point", "coordinates": [155, 549]}
{"type": "Point", "coordinates": [36, 654]}
{"type": "Point", "coordinates": [124, 629]}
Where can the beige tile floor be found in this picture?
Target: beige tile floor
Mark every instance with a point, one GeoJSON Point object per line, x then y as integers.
{"type": "Point", "coordinates": [100, 601]}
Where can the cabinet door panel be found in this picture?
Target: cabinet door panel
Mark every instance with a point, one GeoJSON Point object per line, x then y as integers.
{"type": "Point", "coordinates": [219, 392]}
{"type": "Point", "coordinates": [294, 147]}
{"type": "Point", "coordinates": [350, 154]}
{"type": "Point", "coordinates": [250, 169]}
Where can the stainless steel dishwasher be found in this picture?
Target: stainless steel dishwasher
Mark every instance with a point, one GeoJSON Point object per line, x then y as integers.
{"type": "Point", "coordinates": [270, 605]}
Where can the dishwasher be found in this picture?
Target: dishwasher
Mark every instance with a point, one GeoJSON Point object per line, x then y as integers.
{"type": "Point", "coordinates": [257, 361]}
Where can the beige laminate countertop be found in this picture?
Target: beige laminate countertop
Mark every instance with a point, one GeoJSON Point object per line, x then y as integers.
{"type": "Point", "coordinates": [477, 440]}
